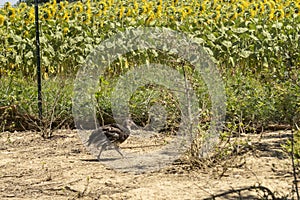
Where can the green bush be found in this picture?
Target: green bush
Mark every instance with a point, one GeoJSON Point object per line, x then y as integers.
{"type": "Point", "coordinates": [20, 94]}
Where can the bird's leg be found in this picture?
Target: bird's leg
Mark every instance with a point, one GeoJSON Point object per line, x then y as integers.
{"type": "Point", "coordinates": [102, 148]}
{"type": "Point", "coordinates": [118, 150]}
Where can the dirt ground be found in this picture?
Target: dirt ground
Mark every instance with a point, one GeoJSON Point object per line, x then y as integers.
{"type": "Point", "coordinates": [61, 168]}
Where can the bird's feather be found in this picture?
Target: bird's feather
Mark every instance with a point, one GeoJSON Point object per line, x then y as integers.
{"type": "Point", "coordinates": [108, 135]}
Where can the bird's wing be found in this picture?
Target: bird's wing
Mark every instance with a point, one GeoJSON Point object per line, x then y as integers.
{"type": "Point", "coordinates": [118, 126]}
{"type": "Point", "coordinates": [97, 136]}
{"type": "Point", "coordinates": [108, 133]}
{"type": "Point", "coordinates": [114, 128]}
{"type": "Point", "coordinates": [123, 133]}
{"type": "Point", "coordinates": [113, 135]}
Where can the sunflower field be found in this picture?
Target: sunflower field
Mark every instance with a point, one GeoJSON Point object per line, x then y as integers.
{"type": "Point", "coordinates": [255, 43]}
{"type": "Point", "coordinates": [257, 34]}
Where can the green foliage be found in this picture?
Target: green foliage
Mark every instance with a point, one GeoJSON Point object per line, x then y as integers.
{"type": "Point", "coordinates": [255, 100]}
{"type": "Point", "coordinates": [262, 43]}
{"type": "Point", "coordinates": [256, 51]}
{"type": "Point", "coordinates": [20, 97]}
{"type": "Point", "coordinates": [292, 146]}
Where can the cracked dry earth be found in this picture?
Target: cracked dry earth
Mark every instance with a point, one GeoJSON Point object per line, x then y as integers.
{"type": "Point", "coordinates": [61, 168]}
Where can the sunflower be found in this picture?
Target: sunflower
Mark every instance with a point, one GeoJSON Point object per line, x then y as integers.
{"type": "Point", "coordinates": [144, 9]}
{"type": "Point", "coordinates": [159, 3]}
{"type": "Point", "coordinates": [102, 6]}
{"type": "Point", "coordinates": [78, 8]}
{"type": "Point", "coordinates": [46, 14]}
{"type": "Point", "coordinates": [110, 2]}
{"type": "Point", "coordinates": [2, 19]}
{"type": "Point", "coordinates": [219, 7]}
{"type": "Point", "coordinates": [64, 3]}
{"type": "Point", "coordinates": [268, 7]}
{"type": "Point", "coordinates": [271, 15]}
{"type": "Point", "coordinates": [158, 11]}
{"type": "Point", "coordinates": [63, 15]}
{"type": "Point", "coordinates": [174, 2]}
{"type": "Point", "coordinates": [149, 6]}
{"type": "Point", "coordinates": [60, 6]}
{"type": "Point", "coordinates": [240, 8]}
{"type": "Point", "coordinates": [89, 10]}
{"type": "Point", "coordinates": [253, 10]}
{"type": "Point", "coordinates": [85, 18]}
{"type": "Point", "coordinates": [273, 4]}
{"type": "Point", "coordinates": [7, 5]}
{"type": "Point", "coordinates": [65, 30]}
{"type": "Point", "coordinates": [297, 10]}
{"type": "Point", "coordinates": [261, 7]}
{"type": "Point", "coordinates": [31, 11]}
{"type": "Point", "coordinates": [26, 33]}
{"type": "Point", "coordinates": [279, 13]}
{"type": "Point", "coordinates": [121, 12]}
{"type": "Point", "coordinates": [245, 3]}
{"type": "Point", "coordinates": [129, 12]}
{"type": "Point", "coordinates": [187, 10]}
{"type": "Point", "coordinates": [171, 11]}
{"type": "Point", "coordinates": [135, 6]}
{"type": "Point", "coordinates": [287, 12]}
{"type": "Point", "coordinates": [87, 7]}
{"type": "Point", "coordinates": [202, 8]}
{"type": "Point", "coordinates": [22, 6]}
{"type": "Point", "coordinates": [29, 18]}
{"type": "Point", "coordinates": [97, 13]}
{"type": "Point", "coordinates": [52, 10]}
{"type": "Point", "coordinates": [150, 18]}
{"type": "Point", "coordinates": [234, 16]}
{"type": "Point", "coordinates": [178, 15]}
{"type": "Point", "coordinates": [216, 16]}
{"type": "Point", "coordinates": [67, 17]}
{"type": "Point", "coordinates": [11, 13]}
{"type": "Point", "coordinates": [247, 14]}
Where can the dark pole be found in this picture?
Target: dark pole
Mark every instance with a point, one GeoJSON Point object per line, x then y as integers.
{"type": "Point", "coordinates": [38, 59]}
